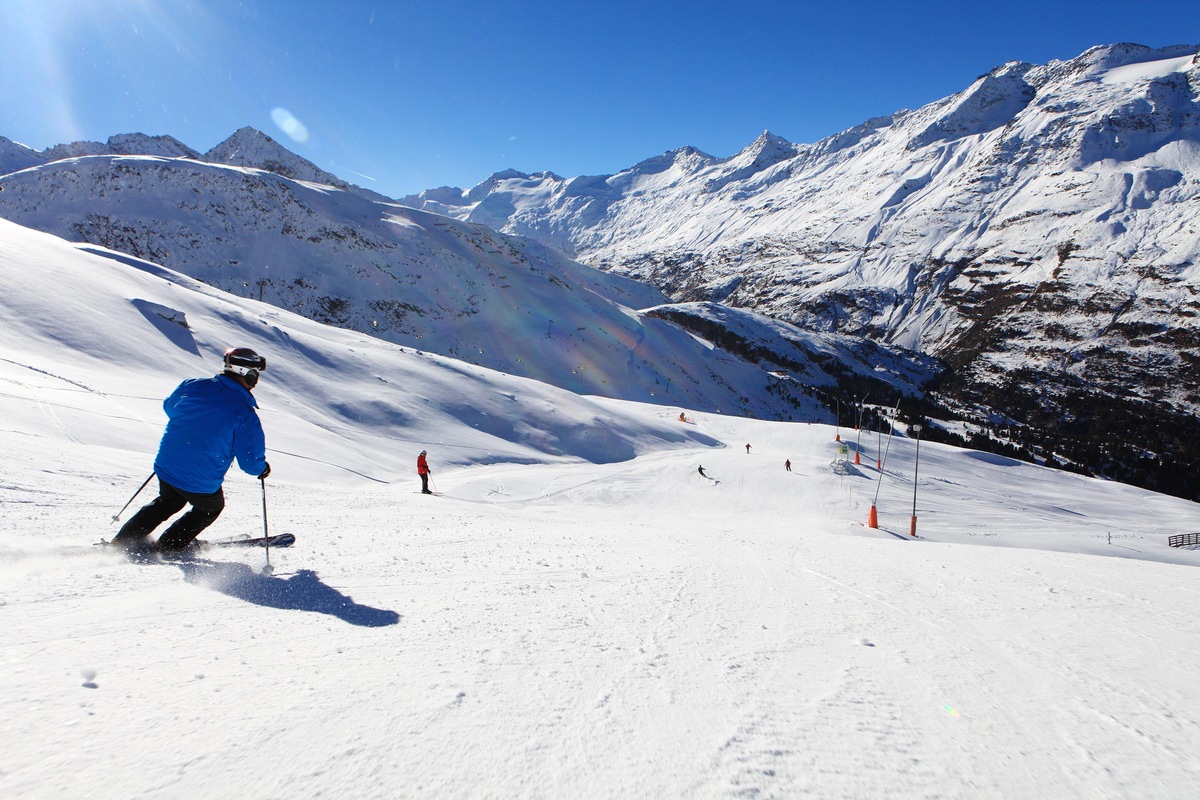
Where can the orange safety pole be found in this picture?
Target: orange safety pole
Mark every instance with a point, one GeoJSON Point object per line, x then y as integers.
{"type": "Point", "coordinates": [873, 519]}
{"type": "Point", "coordinates": [912, 527]}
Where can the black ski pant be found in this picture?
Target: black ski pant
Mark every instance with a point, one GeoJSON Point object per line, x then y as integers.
{"type": "Point", "coordinates": [425, 483]}
{"type": "Point", "coordinates": [170, 501]}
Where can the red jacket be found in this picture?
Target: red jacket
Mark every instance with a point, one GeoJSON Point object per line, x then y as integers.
{"type": "Point", "coordinates": [422, 466]}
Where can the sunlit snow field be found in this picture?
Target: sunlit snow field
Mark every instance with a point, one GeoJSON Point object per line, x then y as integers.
{"type": "Point", "coordinates": [579, 614]}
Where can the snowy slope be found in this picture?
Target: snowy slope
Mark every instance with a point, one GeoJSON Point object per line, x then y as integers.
{"type": "Point", "coordinates": [138, 327]}
{"type": "Point", "coordinates": [579, 615]}
{"type": "Point", "coordinates": [412, 278]}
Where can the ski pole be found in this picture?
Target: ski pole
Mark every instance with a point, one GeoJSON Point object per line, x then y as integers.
{"type": "Point", "coordinates": [117, 515]}
{"type": "Point", "coordinates": [266, 533]}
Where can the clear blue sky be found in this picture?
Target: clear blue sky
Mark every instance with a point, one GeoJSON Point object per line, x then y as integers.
{"type": "Point", "coordinates": [404, 95]}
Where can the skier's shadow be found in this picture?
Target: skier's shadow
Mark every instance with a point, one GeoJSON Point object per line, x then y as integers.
{"type": "Point", "coordinates": [302, 591]}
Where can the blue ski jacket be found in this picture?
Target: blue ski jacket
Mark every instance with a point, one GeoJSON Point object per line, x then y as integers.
{"type": "Point", "coordinates": [210, 422]}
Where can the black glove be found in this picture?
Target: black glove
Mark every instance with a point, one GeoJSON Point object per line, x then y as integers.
{"type": "Point", "coordinates": [265, 472]}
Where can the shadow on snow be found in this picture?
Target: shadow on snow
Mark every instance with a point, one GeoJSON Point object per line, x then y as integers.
{"type": "Point", "coordinates": [303, 591]}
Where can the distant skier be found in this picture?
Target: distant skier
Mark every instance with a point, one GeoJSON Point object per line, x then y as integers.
{"type": "Point", "coordinates": [210, 421]}
{"type": "Point", "coordinates": [424, 471]}
{"type": "Point", "coordinates": [747, 449]}
{"type": "Point", "coordinates": [701, 471]}
{"type": "Point", "coordinates": [788, 465]}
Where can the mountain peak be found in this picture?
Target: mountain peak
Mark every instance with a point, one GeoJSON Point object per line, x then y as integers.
{"type": "Point", "coordinates": [139, 144]}
{"type": "Point", "coordinates": [15, 156]}
{"type": "Point", "coordinates": [992, 102]}
{"type": "Point", "coordinates": [768, 139]}
{"type": "Point", "coordinates": [123, 144]}
{"type": "Point", "coordinates": [765, 151]}
{"type": "Point", "coordinates": [688, 158]}
{"type": "Point", "coordinates": [507, 174]}
{"type": "Point", "coordinates": [250, 147]}
{"type": "Point", "coordinates": [243, 146]}
{"type": "Point", "coordinates": [249, 132]}
{"type": "Point", "coordinates": [482, 189]}
{"type": "Point", "coordinates": [1123, 54]}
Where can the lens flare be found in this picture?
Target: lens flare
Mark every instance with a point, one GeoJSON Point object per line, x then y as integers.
{"type": "Point", "coordinates": [288, 123]}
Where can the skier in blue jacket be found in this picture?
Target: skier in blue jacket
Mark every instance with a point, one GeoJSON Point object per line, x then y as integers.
{"type": "Point", "coordinates": [210, 422]}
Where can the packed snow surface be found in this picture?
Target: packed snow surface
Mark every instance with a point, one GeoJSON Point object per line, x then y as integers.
{"type": "Point", "coordinates": [579, 613]}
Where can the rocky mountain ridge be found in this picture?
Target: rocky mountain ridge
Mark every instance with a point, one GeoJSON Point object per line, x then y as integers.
{"type": "Point", "coordinates": [246, 147]}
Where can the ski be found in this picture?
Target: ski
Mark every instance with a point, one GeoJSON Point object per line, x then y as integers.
{"type": "Point", "coordinates": [277, 540]}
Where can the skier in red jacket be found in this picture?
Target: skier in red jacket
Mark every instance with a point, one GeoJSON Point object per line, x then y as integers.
{"type": "Point", "coordinates": [423, 470]}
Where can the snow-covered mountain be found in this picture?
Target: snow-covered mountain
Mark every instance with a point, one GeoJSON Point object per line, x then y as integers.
{"type": "Point", "coordinates": [16, 156]}
{"type": "Point", "coordinates": [248, 147]}
{"type": "Point", "coordinates": [423, 280]}
{"type": "Point", "coordinates": [1036, 234]}
{"type": "Point", "coordinates": [1039, 232]}
{"type": "Point", "coordinates": [125, 144]}
{"type": "Point", "coordinates": [110, 326]}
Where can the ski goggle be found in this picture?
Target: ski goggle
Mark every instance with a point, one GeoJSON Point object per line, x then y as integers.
{"type": "Point", "coordinates": [237, 362]}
